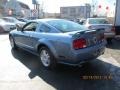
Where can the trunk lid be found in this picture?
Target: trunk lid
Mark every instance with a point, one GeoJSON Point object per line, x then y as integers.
{"type": "Point", "coordinates": [92, 37]}
{"type": "Point", "coordinates": [105, 27]}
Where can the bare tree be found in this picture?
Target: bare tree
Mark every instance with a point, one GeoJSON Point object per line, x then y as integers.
{"type": "Point", "coordinates": [93, 6]}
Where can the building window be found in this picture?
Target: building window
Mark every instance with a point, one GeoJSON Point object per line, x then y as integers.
{"type": "Point", "coordinates": [72, 11]}
{"type": "Point", "coordinates": [64, 10]}
{"type": "Point", "coordinates": [44, 28]}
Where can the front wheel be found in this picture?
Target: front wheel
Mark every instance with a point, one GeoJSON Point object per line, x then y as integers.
{"type": "Point", "coordinates": [12, 43]}
{"type": "Point", "coordinates": [47, 58]}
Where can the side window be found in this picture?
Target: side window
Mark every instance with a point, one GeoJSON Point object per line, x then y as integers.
{"type": "Point", "coordinates": [44, 28]}
{"type": "Point", "coordinates": [30, 26]}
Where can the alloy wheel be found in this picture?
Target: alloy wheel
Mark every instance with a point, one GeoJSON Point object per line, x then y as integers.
{"type": "Point", "coordinates": [45, 58]}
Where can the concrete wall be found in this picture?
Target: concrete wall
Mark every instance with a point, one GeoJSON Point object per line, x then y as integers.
{"type": "Point", "coordinates": [75, 12]}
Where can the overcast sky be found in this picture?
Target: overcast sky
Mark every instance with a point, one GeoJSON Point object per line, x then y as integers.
{"type": "Point", "coordinates": [54, 5]}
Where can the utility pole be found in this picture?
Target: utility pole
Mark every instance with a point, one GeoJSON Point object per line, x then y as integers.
{"type": "Point", "coordinates": [38, 10]}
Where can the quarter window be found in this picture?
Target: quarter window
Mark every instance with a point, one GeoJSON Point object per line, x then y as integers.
{"type": "Point", "coordinates": [9, 20]}
{"type": "Point", "coordinates": [45, 28]}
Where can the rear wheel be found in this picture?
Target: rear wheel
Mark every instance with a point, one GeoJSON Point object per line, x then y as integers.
{"type": "Point", "coordinates": [47, 58]}
{"type": "Point", "coordinates": [109, 40]}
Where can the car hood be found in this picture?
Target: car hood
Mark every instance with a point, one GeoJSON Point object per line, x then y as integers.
{"type": "Point", "coordinates": [91, 36]}
{"type": "Point", "coordinates": [7, 23]}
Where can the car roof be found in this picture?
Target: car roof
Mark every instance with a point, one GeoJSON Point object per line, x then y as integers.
{"type": "Point", "coordinates": [45, 20]}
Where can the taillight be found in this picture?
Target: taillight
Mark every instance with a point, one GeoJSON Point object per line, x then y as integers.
{"type": "Point", "coordinates": [79, 43]}
{"type": "Point", "coordinates": [113, 29]}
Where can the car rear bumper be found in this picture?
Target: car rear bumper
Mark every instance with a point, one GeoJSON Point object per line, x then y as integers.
{"type": "Point", "coordinates": [109, 35]}
{"type": "Point", "coordinates": [85, 55]}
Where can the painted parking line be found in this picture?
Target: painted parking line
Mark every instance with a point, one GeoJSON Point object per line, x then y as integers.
{"type": "Point", "coordinates": [110, 60]}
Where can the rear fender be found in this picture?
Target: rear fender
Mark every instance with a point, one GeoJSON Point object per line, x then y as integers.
{"type": "Point", "coordinates": [48, 45]}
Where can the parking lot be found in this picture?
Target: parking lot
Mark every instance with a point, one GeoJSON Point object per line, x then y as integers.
{"type": "Point", "coordinates": [22, 71]}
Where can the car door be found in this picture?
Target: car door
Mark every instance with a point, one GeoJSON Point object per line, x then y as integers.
{"type": "Point", "coordinates": [41, 29]}
{"type": "Point", "coordinates": [24, 39]}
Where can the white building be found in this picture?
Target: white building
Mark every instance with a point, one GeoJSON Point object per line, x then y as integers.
{"type": "Point", "coordinates": [17, 9]}
{"type": "Point", "coordinates": [75, 12]}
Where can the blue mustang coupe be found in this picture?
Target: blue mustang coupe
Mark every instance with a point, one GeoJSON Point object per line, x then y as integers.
{"type": "Point", "coordinates": [59, 41]}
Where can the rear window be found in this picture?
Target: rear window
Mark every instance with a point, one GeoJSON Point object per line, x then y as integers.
{"type": "Point", "coordinates": [8, 20]}
{"type": "Point", "coordinates": [98, 21]}
{"type": "Point", "coordinates": [66, 26]}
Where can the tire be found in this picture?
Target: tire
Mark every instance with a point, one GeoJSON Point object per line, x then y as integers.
{"type": "Point", "coordinates": [109, 40]}
{"type": "Point", "coordinates": [12, 43]}
{"type": "Point", "coordinates": [47, 58]}
{"type": "Point", "coordinates": [1, 29]}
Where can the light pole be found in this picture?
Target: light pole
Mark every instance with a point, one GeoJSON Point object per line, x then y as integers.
{"type": "Point", "coordinates": [38, 10]}
{"type": "Point", "coordinates": [36, 7]}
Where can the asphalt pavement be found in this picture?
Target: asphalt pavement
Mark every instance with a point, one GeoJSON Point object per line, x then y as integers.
{"type": "Point", "coordinates": [20, 70]}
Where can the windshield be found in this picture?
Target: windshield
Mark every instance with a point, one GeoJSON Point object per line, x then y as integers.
{"type": "Point", "coordinates": [98, 21]}
{"type": "Point", "coordinates": [66, 26]}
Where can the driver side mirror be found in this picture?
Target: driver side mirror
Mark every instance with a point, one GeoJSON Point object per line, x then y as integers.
{"type": "Point", "coordinates": [19, 28]}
